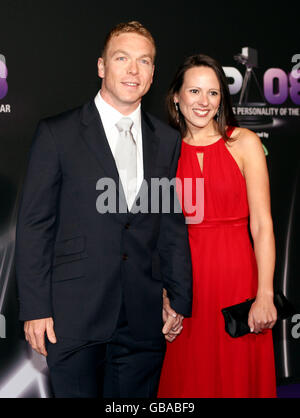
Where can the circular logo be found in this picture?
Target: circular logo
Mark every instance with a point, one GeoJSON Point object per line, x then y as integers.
{"type": "Point", "coordinates": [3, 81]}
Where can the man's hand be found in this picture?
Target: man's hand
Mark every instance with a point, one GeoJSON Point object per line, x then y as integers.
{"type": "Point", "coordinates": [172, 321]}
{"type": "Point", "coordinates": [35, 334]}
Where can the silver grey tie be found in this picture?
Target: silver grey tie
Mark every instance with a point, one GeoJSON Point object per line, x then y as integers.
{"type": "Point", "coordinates": [125, 157]}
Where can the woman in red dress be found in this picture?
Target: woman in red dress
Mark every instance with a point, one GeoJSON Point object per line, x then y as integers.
{"type": "Point", "coordinates": [204, 361]}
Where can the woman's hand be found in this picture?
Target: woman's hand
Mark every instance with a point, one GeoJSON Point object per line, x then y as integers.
{"type": "Point", "coordinates": [262, 314]}
{"type": "Point", "coordinates": [172, 320]}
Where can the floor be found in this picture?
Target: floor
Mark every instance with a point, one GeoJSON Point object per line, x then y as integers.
{"type": "Point", "coordinates": [288, 391]}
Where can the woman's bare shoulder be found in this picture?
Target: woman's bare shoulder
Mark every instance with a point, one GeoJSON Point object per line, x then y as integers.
{"type": "Point", "coordinates": [246, 140]}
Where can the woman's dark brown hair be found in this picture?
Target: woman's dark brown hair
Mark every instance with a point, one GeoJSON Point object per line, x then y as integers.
{"type": "Point", "coordinates": [226, 116]}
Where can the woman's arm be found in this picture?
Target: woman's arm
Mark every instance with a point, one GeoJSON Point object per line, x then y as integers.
{"type": "Point", "coordinates": [263, 312]}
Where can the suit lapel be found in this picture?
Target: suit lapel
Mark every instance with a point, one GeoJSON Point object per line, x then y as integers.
{"type": "Point", "coordinates": [150, 147]}
{"type": "Point", "coordinates": [94, 135]}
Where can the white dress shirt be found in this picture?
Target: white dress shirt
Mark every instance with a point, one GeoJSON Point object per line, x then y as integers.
{"type": "Point", "coordinates": [109, 117]}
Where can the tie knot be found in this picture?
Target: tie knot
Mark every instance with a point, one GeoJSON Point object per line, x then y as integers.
{"type": "Point", "coordinates": [124, 124]}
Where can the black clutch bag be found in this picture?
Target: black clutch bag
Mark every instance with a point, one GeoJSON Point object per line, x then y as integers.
{"type": "Point", "coordinates": [236, 316]}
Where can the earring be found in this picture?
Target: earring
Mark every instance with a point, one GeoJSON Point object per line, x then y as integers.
{"type": "Point", "coordinates": [177, 111]}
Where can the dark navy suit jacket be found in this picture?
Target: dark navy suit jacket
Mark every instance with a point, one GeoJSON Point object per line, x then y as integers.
{"type": "Point", "coordinates": [78, 265]}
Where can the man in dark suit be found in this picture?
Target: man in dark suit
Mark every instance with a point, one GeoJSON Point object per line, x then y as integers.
{"type": "Point", "coordinates": [91, 280]}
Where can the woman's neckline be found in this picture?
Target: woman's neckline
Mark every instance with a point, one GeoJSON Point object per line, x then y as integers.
{"type": "Point", "coordinates": [202, 146]}
{"type": "Point", "coordinates": [229, 131]}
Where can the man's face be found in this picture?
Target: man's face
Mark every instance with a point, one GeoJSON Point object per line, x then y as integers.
{"type": "Point", "coordinates": [127, 71]}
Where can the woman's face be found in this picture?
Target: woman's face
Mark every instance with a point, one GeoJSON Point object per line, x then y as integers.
{"type": "Point", "coordinates": [199, 97]}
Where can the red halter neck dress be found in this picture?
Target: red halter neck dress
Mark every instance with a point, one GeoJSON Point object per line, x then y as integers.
{"type": "Point", "coordinates": [204, 361]}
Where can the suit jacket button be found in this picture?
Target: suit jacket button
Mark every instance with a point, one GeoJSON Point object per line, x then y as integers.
{"type": "Point", "coordinates": [125, 257]}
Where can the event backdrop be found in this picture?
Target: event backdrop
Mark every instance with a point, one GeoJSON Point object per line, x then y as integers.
{"type": "Point", "coordinates": [48, 56]}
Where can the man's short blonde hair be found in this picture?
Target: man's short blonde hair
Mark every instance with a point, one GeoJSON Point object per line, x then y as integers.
{"type": "Point", "coordinates": [128, 27]}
